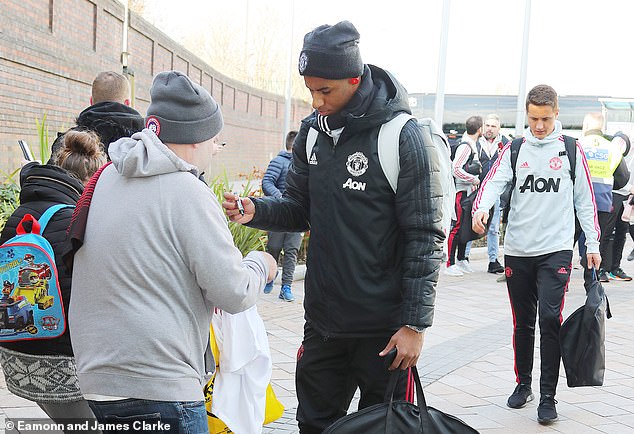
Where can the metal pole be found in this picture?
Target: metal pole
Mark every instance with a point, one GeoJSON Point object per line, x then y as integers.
{"type": "Point", "coordinates": [521, 108]}
{"type": "Point", "coordinates": [288, 100]}
{"type": "Point", "coordinates": [125, 55]}
{"type": "Point", "coordinates": [442, 64]}
{"type": "Point", "coordinates": [126, 23]}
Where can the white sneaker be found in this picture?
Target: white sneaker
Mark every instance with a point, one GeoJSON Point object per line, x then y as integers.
{"type": "Point", "coordinates": [453, 270]}
{"type": "Point", "coordinates": [464, 266]}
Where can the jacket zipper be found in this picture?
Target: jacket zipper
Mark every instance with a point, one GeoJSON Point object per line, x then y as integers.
{"type": "Point", "coordinates": [54, 180]}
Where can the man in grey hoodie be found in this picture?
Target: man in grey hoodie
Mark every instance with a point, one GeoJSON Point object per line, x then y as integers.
{"type": "Point", "coordinates": [157, 258]}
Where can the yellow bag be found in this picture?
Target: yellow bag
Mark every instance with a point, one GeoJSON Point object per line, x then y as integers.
{"type": "Point", "coordinates": [273, 407]}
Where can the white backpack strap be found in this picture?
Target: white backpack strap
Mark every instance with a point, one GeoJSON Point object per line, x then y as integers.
{"type": "Point", "coordinates": [311, 139]}
{"type": "Point", "coordinates": [387, 147]}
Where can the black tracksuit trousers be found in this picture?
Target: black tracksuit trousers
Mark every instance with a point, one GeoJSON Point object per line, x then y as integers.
{"type": "Point", "coordinates": [537, 285]}
{"type": "Point", "coordinates": [329, 370]}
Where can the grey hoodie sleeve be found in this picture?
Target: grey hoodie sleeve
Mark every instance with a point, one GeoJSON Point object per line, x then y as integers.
{"type": "Point", "coordinates": [227, 281]}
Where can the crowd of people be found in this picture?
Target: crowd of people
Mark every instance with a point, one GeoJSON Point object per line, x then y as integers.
{"type": "Point", "coordinates": [146, 256]}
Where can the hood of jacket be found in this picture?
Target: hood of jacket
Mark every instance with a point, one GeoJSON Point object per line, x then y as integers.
{"type": "Point", "coordinates": [530, 138]}
{"type": "Point", "coordinates": [144, 155]}
{"type": "Point", "coordinates": [111, 112]}
{"type": "Point", "coordinates": [45, 182]}
{"type": "Point", "coordinates": [111, 121]}
{"type": "Point", "coordinates": [388, 99]}
{"type": "Point", "coordinates": [285, 154]}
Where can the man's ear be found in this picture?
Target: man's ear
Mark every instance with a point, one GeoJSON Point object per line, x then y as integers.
{"type": "Point", "coordinates": [91, 100]}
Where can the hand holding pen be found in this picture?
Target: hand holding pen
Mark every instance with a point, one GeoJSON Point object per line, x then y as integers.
{"type": "Point", "coordinates": [238, 209]}
{"type": "Point", "coordinates": [239, 204]}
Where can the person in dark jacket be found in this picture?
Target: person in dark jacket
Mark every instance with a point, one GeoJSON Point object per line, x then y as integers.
{"type": "Point", "coordinates": [44, 371]}
{"type": "Point", "coordinates": [109, 114]}
{"type": "Point", "coordinates": [374, 255]}
{"type": "Point", "coordinates": [274, 184]}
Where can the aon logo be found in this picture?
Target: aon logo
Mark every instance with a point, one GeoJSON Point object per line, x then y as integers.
{"type": "Point", "coordinates": [540, 185]}
{"type": "Point", "coordinates": [354, 185]}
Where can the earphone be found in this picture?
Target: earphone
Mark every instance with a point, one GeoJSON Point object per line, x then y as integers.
{"type": "Point", "coordinates": [354, 80]}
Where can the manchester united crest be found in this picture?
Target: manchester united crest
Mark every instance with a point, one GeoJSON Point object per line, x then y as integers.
{"type": "Point", "coordinates": [555, 163]}
{"type": "Point", "coordinates": [357, 164]}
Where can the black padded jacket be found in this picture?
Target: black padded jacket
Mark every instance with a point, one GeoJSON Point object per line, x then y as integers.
{"type": "Point", "coordinates": [373, 255]}
{"type": "Point", "coordinates": [43, 186]}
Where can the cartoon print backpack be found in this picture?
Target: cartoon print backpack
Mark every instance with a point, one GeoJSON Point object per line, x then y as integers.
{"type": "Point", "coordinates": [31, 303]}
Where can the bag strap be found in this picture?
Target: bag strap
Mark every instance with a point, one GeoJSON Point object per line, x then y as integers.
{"type": "Point", "coordinates": [608, 311]}
{"type": "Point", "coordinates": [425, 421]}
{"type": "Point", "coordinates": [387, 146]}
{"type": "Point", "coordinates": [571, 150]}
{"type": "Point", "coordinates": [39, 225]}
{"type": "Point", "coordinates": [46, 217]}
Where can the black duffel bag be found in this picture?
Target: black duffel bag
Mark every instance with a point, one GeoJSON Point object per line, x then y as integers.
{"type": "Point", "coordinates": [400, 417]}
{"type": "Point", "coordinates": [466, 232]}
{"type": "Point", "coordinates": [582, 338]}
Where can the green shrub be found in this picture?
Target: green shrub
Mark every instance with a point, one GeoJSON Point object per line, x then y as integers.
{"type": "Point", "coordinates": [9, 196]}
{"type": "Point", "coordinates": [42, 133]}
{"type": "Point", "coordinates": [245, 238]}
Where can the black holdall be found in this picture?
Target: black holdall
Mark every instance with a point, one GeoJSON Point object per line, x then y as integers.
{"type": "Point", "coordinates": [400, 417]}
{"type": "Point", "coordinates": [582, 339]}
{"type": "Point", "coordinates": [466, 232]}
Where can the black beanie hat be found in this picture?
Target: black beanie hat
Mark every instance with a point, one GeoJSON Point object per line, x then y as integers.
{"type": "Point", "coordinates": [331, 52]}
{"type": "Point", "coordinates": [180, 111]}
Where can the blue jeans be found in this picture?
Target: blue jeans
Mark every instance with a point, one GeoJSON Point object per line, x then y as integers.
{"type": "Point", "coordinates": [145, 416]}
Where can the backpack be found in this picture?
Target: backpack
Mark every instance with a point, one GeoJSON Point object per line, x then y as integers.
{"type": "Point", "coordinates": [31, 303]}
{"type": "Point", "coordinates": [388, 150]}
{"type": "Point", "coordinates": [505, 198]}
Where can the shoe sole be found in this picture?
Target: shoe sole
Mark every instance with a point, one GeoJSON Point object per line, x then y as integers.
{"type": "Point", "coordinates": [547, 421]}
{"type": "Point", "coordinates": [620, 279]}
{"type": "Point", "coordinates": [286, 299]}
{"type": "Point", "coordinates": [528, 399]}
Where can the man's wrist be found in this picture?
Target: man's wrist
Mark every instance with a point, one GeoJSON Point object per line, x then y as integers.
{"type": "Point", "coordinates": [417, 329]}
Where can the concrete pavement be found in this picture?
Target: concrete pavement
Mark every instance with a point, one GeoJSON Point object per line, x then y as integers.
{"type": "Point", "coordinates": [467, 361]}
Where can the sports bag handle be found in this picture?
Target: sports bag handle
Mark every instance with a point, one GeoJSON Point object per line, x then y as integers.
{"type": "Point", "coordinates": [422, 404]}
{"type": "Point", "coordinates": [39, 225]}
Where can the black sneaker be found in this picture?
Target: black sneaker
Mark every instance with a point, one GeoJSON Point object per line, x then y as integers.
{"type": "Point", "coordinates": [603, 276]}
{"type": "Point", "coordinates": [546, 412]}
{"type": "Point", "coordinates": [619, 274]}
{"type": "Point", "coordinates": [520, 396]}
{"type": "Point", "coordinates": [495, 267]}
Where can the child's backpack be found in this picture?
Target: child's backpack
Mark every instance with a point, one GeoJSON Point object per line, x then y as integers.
{"type": "Point", "coordinates": [31, 304]}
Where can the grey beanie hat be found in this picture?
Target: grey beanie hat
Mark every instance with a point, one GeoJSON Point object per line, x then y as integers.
{"type": "Point", "coordinates": [331, 52]}
{"type": "Point", "coordinates": [180, 111]}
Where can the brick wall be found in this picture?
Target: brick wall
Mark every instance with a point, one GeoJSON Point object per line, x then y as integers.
{"type": "Point", "coordinates": [51, 50]}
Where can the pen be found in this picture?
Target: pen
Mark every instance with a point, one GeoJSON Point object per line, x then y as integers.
{"type": "Point", "coordinates": [240, 206]}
